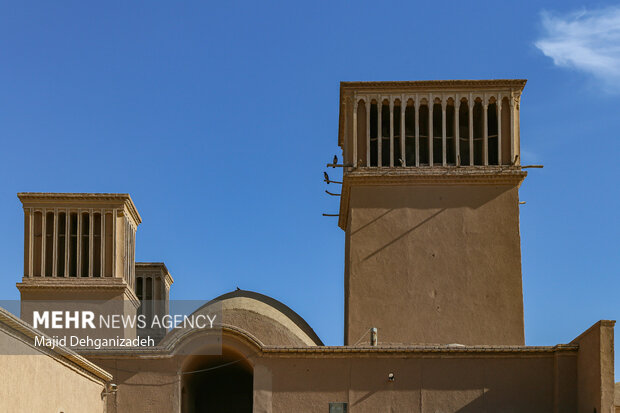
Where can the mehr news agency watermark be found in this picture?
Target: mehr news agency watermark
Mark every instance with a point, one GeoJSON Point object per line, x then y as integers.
{"type": "Point", "coordinates": [85, 320]}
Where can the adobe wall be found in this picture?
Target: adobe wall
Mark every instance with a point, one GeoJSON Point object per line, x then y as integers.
{"type": "Point", "coordinates": [434, 264]}
{"type": "Point", "coordinates": [423, 383]}
{"type": "Point", "coordinates": [144, 384]}
{"type": "Point", "coordinates": [595, 368]}
{"type": "Point", "coordinates": [41, 383]}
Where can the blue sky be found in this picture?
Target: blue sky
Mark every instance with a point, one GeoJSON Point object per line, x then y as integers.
{"type": "Point", "coordinates": [218, 120]}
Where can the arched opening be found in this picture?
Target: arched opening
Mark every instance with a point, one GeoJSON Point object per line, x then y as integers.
{"type": "Point", "coordinates": [84, 246]}
{"type": "Point", "coordinates": [437, 133]}
{"type": "Point", "coordinates": [217, 384]}
{"type": "Point", "coordinates": [38, 243]}
{"type": "Point", "coordinates": [374, 122]}
{"type": "Point", "coordinates": [109, 228]}
{"type": "Point", "coordinates": [96, 245]}
{"type": "Point", "coordinates": [424, 138]}
{"type": "Point", "coordinates": [492, 134]}
{"type": "Point", "coordinates": [478, 132]}
{"type": "Point", "coordinates": [140, 294]}
{"type": "Point", "coordinates": [464, 132]}
{"type": "Point", "coordinates": [385, 133]}
{"type": "Point", "coordinates": [148, 298]}
{"type": "Point", "coordinates": [506, 143]}
{"type": "Point", "coordinates": [450, 143]}
{"type": "Point", "coordinates": [361, 133]}
{"type": "Point", "coordinates": [61, 243]}
{"type": "Point", "coordinates": [73, 244]}
{"type": "Point", "coordinates": [410, 134]}
{"type": "Point", "coordinates": [397, 134]}
{"type": "Point", "coordinates": [49, 244]}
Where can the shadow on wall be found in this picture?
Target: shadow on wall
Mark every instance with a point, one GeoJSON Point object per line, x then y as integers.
{"type": "Point", "coordinates": [404, 234]}
{"type": "Point", "coordinates": [458, 383]}
{"type": "Point", "coordinates": [382, 216]}
{"type": "Point", "coordinates": [426, 197]}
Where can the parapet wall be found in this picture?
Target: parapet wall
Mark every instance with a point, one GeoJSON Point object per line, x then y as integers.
{"type": "Point", "coordinates": [595, 368]}
{"type": "Point", "coordinates": [573, 378]}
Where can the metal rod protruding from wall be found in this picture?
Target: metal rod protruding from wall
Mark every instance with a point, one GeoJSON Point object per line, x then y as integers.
{"type": "Point", "coordinates": [338, 165]}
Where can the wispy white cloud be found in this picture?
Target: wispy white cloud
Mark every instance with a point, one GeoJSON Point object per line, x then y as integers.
{"type": "Point", "coordinates": [587, 40]}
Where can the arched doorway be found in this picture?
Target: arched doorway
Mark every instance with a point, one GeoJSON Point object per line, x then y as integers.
{"type": "Point", "coordinates": [217, 384]}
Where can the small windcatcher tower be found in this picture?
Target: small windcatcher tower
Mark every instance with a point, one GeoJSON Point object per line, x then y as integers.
{"type": "Point", "coordinates": [153, 282]}
{"type": "Point", "coordinates": [79, 246]}
{"type": "Point", "coordinates": [430, 208]}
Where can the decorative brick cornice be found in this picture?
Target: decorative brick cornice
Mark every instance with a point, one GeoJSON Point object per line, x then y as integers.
{"type": "Point", "coordinates": [437, 175]}
{"type": "Point", "coordinates": [159, 267]}
{"type": "Point", "coordinates": [436, 84]}
{"type": "Point", "coordinates": [79, 284]}
{"type": "Point", "coordinates": [48, 198]}
{"type": "Point", "coordinates": [443, 349]}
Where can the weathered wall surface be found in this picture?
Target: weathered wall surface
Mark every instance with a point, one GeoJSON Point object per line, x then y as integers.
{"type": "Point", "coordinates": [563, 379]}
{"type": "Point", "coordinates": [31, 381]}
{"type": "Point", "coordinates": [434, 264]}
{"type": "Point", "coordinates": [595, 368]}
{"type": "Point", "coordinates": [145, 385]}
{"type": "Point", "coordinates": [490, 383]}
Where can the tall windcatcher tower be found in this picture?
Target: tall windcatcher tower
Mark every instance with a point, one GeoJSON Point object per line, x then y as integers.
{"type": "Point", "coordinates": [430, 207]}
{"type": "Point", "coordinates": [79, 246]}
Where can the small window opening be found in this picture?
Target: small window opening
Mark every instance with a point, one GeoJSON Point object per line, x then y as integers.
{"type": "Point", "coordinates": [374, 120]}
{"type": "Point", "coordinates": [450, 143]}
{"type": "Point", "coordinates": [506, 151]}
{"type": "Point", "coordinates": [397, 136]}
{"type": "Point", "coordinates": [423, 140]}
{"type": "Point", "coordinates": [60, 244]}
{"type": "Point", "coordinates": [410, 133]}
{"type": "Point", "coordinates": [385, 134]}
{"type": "Point", "coordinates": [361, 133]}
{"type": "Point", "coordinates": [108, 245]}
{"type": "Point", "coordinates": [96, 245]}
{"type": "Point", "coordinates": [38, 243]}
{"type": "Point", "coordinates": [27, 235]}
{"type": "Point", "coordinates": [492, 133]}
{"type": "Point", "coordinates": [73, 244]}
{"type": "Point", "coordinates": [49, 243]}
{"type": "Point", "coordinates": [478, 138]}
{"type": "Point", "coordinates": [85, 245]}
{"type": "Point", "coordinates": [464, 133]}
{"type": "Point", "coordinates": [149, 297]}
{"type": "Point", "coordinates": [437, 134]}
{"type": "Point", "coordinates": [139, 293]}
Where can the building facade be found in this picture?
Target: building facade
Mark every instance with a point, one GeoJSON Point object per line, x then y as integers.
{"type": "Point", "coordinates": [430, 208]}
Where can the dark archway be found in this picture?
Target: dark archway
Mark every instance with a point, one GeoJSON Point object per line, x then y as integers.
{"type": "Point", "coordinates": [217, 384]}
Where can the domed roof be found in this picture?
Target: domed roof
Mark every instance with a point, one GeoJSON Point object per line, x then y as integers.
{"type": "Point", "coordinates": [266, 320]}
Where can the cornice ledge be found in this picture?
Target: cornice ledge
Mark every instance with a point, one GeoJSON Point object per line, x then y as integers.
{"type": "Point", "coordinates": [156, 266]}
{"type": "Point", "coordinates": [425, 176]}
{"type": "Point", "coordinates": [445, 349]}
{"type": "Point", "coordinates": [368, 176]}
{"type": "Point", "coordinates": [439, 84]}
{"type": "Point", "coordinates": [71, 284]}
{"type": "Point", "coordinates": [75, 196]}
{"type": "Point", "coordinates": [78, 282]}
